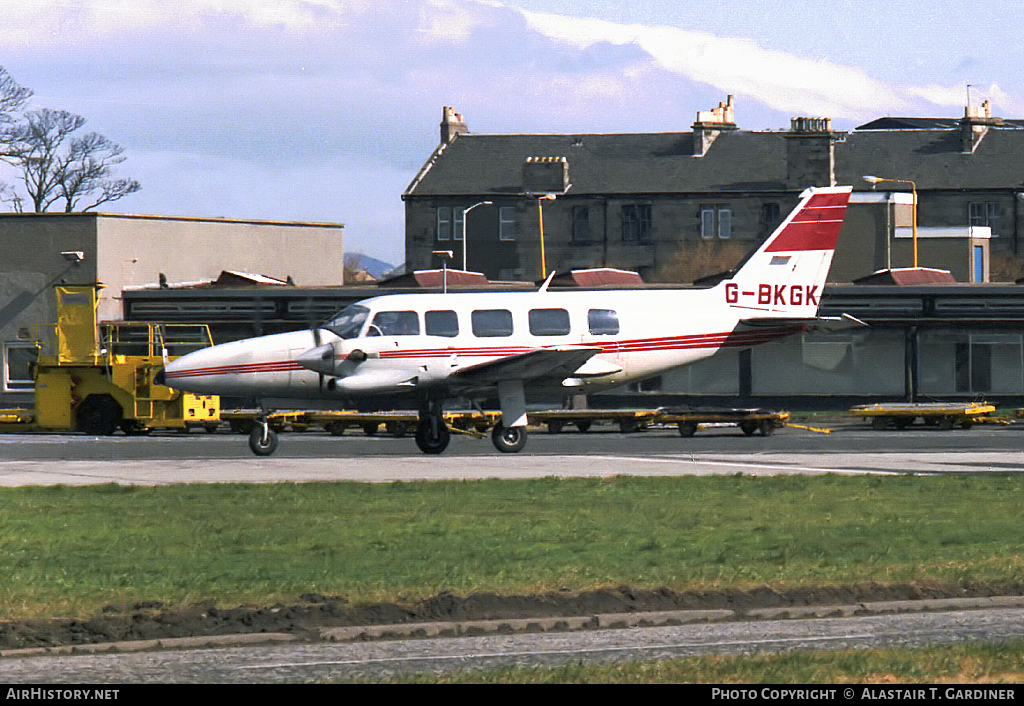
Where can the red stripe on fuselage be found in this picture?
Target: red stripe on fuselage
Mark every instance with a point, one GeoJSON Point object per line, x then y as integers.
{"type": "Point", "coordinates": [728, 339]}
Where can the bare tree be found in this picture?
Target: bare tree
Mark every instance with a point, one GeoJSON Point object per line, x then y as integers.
{"type": "Point", "coordinates": [55, 165]}
{"type": "Point", "coordinates": [12, 96]}
{"type": "Point", "coordinates": [88, 169]}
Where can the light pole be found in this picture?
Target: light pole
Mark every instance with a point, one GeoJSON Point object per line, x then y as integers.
{"type": "Point", "coordinates": [465, 217]}
{"type": "Point", "coordinates": [445, 256]}
{"type": "Point", "coordinates": [913, 190]}
{"type": "Point", "coordinates": [540, 217]}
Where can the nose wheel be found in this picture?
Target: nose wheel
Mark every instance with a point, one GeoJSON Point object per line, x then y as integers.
{"type": "Point", "coordinates": [262, 439]}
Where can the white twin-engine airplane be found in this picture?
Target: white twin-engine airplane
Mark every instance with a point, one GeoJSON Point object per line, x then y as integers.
{"type": "Point", "coordinates": [473, 345]}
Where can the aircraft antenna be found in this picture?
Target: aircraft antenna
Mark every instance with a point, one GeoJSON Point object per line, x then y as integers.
{"type": "Point", "coordinates": [547, 282]}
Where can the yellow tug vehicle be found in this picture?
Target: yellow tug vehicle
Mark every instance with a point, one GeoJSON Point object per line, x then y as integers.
{"type": "Point", "coordinates": [97, 378]}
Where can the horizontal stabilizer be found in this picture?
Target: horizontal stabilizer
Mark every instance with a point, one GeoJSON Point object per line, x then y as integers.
{"type": "Point", "coordinates": [821, 324]}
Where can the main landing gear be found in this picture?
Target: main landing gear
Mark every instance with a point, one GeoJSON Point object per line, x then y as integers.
{"type": "Point", "coordinates": [432, 433]}
{"type": "Point", "coordinates": [508, 440]}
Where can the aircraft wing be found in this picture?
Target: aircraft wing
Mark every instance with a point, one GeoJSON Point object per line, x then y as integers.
{"type": "Point", "coordinates": [553, 364]}
{"type": "Point", "coordinates": [820, 324]}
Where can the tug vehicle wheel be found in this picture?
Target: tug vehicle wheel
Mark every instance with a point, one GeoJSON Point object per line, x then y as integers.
{"type": "Point", "coordinates": [98, 415]}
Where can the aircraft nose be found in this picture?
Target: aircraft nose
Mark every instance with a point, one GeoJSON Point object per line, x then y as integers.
{"type": "Point", "coordinates": [319, 359]}
{"type": "Point", "coordinates": [179, 374]}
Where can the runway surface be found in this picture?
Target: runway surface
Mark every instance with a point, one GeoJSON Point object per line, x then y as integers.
{"type": "Point", "coordinates": [224, 458]}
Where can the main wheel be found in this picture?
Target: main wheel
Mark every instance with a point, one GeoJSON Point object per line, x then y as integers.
{"type": "Point", "coordinates": [98, 415]}
{"type": "Point", "coordinates": [508, 440]}
{"type": "Point", "coordinates": [432, 436]}
{"type": "Point", "coordinates": [263, 440]}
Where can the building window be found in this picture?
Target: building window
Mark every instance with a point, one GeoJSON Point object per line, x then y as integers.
{"type": "Point", "coordinates": [771, 217]}
{"type": "Point", "coordinates": [715, 222]}
{"type": "Point", "coordinates": [444, 223]}
{"type": "Point", "coordinates": [507, 223]}
{"type": "Point", "coordinates": [636, 223]}
{"type": "Point", "coordinates": [581, 224]}
{"type": "Point", "coordinates": [985, 213]}
{"type": "Point", "coordinates": [973, 367]}
{"type": "Point", "coordinates": [458, 223]}
{"type": "Point", "coordinates": [19, 363]}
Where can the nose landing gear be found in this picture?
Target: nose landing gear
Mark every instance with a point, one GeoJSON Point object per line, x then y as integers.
{"type": "Point", "coordinates": [262, 440]}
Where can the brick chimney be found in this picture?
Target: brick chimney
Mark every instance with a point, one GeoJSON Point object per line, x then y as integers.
{"type": "Point", "coordinates": [810, 153]}
{"type": "Point", "coordinates": [710, 124]}
{"type": "Point", "coordinates": [974, 126]}
{"type": "Point", "coordinates": [452, 125]}
{"type": "Point", "coordinates": [542, 175]}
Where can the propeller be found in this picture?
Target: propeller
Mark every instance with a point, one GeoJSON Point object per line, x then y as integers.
{"type": "Point", "coordinates": [316, 344]}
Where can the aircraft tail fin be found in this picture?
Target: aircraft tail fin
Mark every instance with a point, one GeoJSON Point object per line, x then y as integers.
{"type": "Point", "coordinates": [784, 277]}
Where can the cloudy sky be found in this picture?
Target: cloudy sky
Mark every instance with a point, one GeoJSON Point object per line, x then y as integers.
{"type": "Point", "coordinates": [324, 110]}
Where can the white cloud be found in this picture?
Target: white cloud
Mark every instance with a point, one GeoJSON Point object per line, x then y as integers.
{"type": "Point", "coordinates": [326, 109]}
{"type": "Point", "coordinates": [957, 95]}
{"type": "Point", "coordinates": [741, 67]}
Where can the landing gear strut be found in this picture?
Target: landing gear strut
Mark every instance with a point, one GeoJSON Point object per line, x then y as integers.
{"type": "Point", "coordinates": [432, 434]}
{"type": "Point", "coordinates": [262, 439]}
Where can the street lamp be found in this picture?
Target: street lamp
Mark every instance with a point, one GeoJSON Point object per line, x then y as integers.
{"type": "Point", "coordinates": [540, 217]}
{"type": "Point", "coordinates": [465, 217]}
{"type": "Point", "coordinates": [445, 256]}
{"type": "Point", "coordinates": [913, 189]}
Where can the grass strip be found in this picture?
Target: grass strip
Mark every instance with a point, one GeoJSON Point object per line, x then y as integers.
{"type": "Point", "coordinates": [70, 551]}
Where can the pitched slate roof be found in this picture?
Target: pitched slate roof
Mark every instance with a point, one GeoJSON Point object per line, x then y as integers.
{"type": "Point", "coordinates": [657, 163]}
{"type": "Point", "coordinates": [933, 159]}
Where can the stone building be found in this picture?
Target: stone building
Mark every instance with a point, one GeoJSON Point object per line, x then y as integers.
{"type": "Point", "coordinates": [632, 200]}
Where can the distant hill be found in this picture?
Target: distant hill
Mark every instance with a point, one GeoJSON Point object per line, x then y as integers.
{"type": "Point", "coordinates": [376, 268]}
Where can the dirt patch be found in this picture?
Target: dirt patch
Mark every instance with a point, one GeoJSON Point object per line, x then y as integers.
{"type": "Point", "coordinates": [153, 620]}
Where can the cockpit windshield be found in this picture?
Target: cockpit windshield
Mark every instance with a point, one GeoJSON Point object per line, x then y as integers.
{"type": "Point", "coordinates": [349, 322]}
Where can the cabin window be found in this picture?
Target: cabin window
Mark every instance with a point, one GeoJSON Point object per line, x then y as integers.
{"type": "Point", "coordinates": [349, 322]}
{"type": "Point", "coordinates": [549, 322]}
{"type": "Point", "coordinates": [394, 323]}
{"type": "Point", "coordinates": [603, 322]}
{"type": "Point", "coordinates": [492, 322]}
{"type": "Point", "coordinates": [441, 323]}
